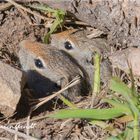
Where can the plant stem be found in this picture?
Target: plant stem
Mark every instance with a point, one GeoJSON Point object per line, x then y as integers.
{"type": "Point", "coordinates": [96, 87]}
{"type": "Point", "coordinates": [136, 127]}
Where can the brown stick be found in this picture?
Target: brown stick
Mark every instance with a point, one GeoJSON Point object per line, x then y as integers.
{"type": "Point", "coordinates": [25, 9]}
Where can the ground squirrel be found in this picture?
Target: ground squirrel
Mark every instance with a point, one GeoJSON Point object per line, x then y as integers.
{"type": "Point", "coordinates": [57, 66]}
{"type": "Point", "coordinates": [76, 43]}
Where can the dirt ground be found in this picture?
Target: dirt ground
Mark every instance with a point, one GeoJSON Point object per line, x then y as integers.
{"type": "Point", "coordinates": [14, 27]}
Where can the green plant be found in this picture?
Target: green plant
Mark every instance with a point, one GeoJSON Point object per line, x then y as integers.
{"type": "Point", "coordinates": [129, 105]}
{"type": "Point", "coordinates": [58, 16]}
{"type": "Point", "coordinates": [96, 84]}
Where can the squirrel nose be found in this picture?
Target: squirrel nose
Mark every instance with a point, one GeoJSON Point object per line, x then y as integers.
{"type": "Point", "coordinates": [90, 60]}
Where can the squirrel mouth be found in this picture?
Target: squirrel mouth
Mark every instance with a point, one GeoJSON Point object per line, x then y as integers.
{"type": "Point", "coordinates": [90, 61]}
{"type": "Point", "coordinates": [58, 84]}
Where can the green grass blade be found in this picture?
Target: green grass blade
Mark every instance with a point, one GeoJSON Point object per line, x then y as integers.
{"type": "Point", "coordinates": [96, 84]}
{"type": "Point", "coordinates": [113, 138]}
{"type": "Point", "coordinates": [99, 114]}
{"type": "Point", "coordinates": [57, 14]}
{"type": "Point", "coordinates": [128, 133]}
{"type": "Point", "coordinates": [123, 107]}
{"type": "Point", "coordinates": [67, 102]}
{"type": "Point", "coordinates": [42, 7]}
{"type": "Point", "coordinates": [136, 127]}
{"type": "Point", "coordinates": [45, 8]}
{"type": "Point", "coordinates": [118, 86]}
{"type": "Point", "coordinates": [100, 123]}
{"type": "Point", "coordinates": [57, 23]}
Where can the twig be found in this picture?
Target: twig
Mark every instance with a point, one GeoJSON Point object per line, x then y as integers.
{"type": "Point", "coordinates": [95, 33]}
{"type": "Point", "coordinates": [16, 136]}
{"type": "Point", "coordinates": [5, 6]}
{"type": "Point", "coordinates": [25, 121]}
{"type": "Point", "coordinates": [28, 124]}
{"type": "Point", "coordinates": [3, 138]}
{"type": "Point", "coordinates": [75, 81]}
{"type": "Point", "coordinates": [18, 133]}
{"type": "Point", "coordinates": [25, 9]}
{"type": "Point", "coordinates": [76, 22]}
{"type": "Point", "coordinates": [25, 15]}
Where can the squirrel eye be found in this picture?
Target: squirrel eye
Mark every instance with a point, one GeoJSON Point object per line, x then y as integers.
{"type": "Point", "coordinates": [38, 63]}
{"type": "Point", "coordinates": [68, 45]}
